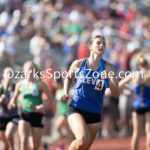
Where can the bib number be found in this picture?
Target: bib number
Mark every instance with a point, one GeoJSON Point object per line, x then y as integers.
{"type": "Point", "coordinates": [99, 84]}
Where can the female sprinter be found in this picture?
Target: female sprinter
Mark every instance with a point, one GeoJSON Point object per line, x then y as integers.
{"type": "Point", "coordinates": [8, 118]}
{"type": "Point", "coordinates": [84, 112]}
{"type": "Point", "coordinates": [139, 83]}
{"type": "Point", "coordinates": [31, 118]}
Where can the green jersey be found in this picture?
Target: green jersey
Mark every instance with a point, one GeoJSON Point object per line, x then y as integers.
{"type": "Point", "coordinates": [31, 95]}
{"type": "Point", "coordinates": [61, 106]}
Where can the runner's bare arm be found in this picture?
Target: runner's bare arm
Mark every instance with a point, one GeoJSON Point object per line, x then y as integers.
{"type": "Point", "coordinates": [11, 104]}
{"type": "Point", "coordinates": [71, 75]}
{"type": "Point", "coordinates": [44, 88]}
{"type": "Point", "coordinates": [113, 80]}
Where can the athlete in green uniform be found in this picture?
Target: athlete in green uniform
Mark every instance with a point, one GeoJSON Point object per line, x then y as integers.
{"type": "Point", "coordinates": [32, 118]}
{"type": "Point", "coordinates": [31, 96]}
{"type": "Point", "coordinates": [8, 118]}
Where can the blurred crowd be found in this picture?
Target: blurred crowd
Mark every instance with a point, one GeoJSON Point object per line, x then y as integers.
{"type": "Point", "coordinates": [55, 32]}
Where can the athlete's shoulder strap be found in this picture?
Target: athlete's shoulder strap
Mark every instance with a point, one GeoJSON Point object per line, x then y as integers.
{"type": "Point", "coordinates": [104, 62]}
{"type": "Point", "coordinates": [84, 61]}
{"type": "Point", "coordinates": [82, 65]}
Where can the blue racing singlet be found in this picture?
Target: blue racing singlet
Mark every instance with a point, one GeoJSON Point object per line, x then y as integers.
{"type": "Point", "coordinates": [143, 100]}
{"type": "Point", "coordinates": [90, 89]}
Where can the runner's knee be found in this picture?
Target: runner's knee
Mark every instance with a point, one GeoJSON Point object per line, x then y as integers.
{"type": "Point", "coordinates": [83, 142]}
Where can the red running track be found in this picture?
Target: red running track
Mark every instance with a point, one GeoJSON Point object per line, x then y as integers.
{"type": "Point", "coordinates": [116, 144]}
{"type": "Point", "coordinates": [110, 144]}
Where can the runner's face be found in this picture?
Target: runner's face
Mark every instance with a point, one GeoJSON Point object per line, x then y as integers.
{"type": "Point", "coordinates": [98, 46]}
{"type": "Point", "coordinates": [28, 69]}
